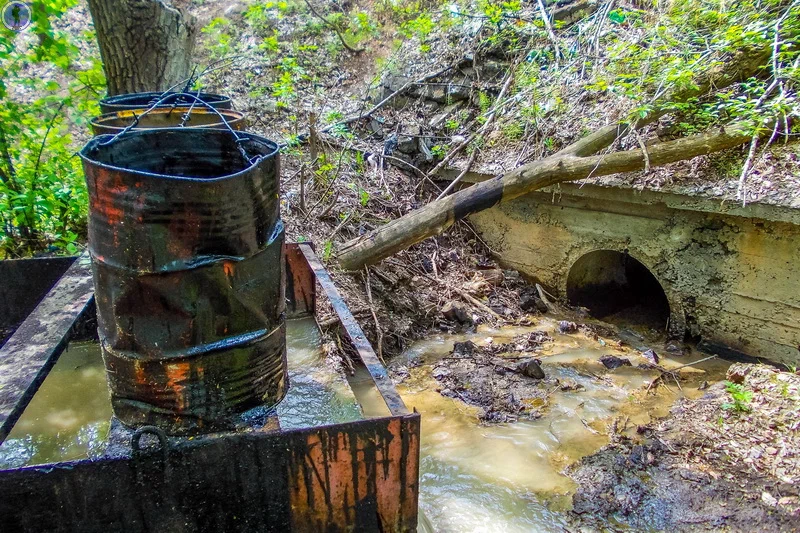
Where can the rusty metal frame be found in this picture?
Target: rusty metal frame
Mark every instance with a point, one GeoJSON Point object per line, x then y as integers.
{"type": "Point", "coordinates": [361, 475]}
{"type": "Point", "coordinates": [356, 336]}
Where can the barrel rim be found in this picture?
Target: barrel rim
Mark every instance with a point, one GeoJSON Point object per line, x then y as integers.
{"type": "Point", "coordinates": [97, 140]}
{"type": "Point", "coordinates": [131, 113]}
{"type": "Point", "coordinates": [119, 99]}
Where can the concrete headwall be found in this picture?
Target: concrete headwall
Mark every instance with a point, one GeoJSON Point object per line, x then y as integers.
{"type": "Point", "coordinates": [731, 274]}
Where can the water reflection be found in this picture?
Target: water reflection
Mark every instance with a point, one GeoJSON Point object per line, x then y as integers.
{"type": "Point", "coordinates": [68, 417]}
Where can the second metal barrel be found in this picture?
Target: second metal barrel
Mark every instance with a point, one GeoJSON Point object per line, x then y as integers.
{"type": "Point", "coordinates": [187, 249]}
{"type": "Point", "coordinates": [197, 117]}
{"type": "Point", "coordinates": [145, 100]}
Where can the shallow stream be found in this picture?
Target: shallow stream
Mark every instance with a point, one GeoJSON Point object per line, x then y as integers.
{"type": "Point", "coordinates": [473, 477]}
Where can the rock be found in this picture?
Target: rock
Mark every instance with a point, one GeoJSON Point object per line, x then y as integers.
{"type": "Point", "coordinates": [527, 302]}
{"type": "Point", "coordinates": [531, 368]}
{"type": "Point", "coordinates": [407, 145]}
{"type": "Point", "coordinates": [737, 372]}
{"type": "Point", "coordinates": [570, 385]}
{"type": "Point", "coordinates": [567, 327]}
{"type": "Point", "coordinates": [440, 372]}
{"type": "Point", "coordinates": [493, 276]}
{"type": "Point", "coordinates": [439, 119]}
{"type": "Point", "coordinates": [674, 348]}
{"type": "Point", "coordinates": [612, 361]}
{"type": "Point", "coordinates": [456, 312]}
{"type": "Point", "coordinates": [651, 356]}
{"type": "Point", "coordinates": [703, 386]}
{"type": "Point", "coordinates": [464, 348]}
{"type": "Point", "coordinates": [769, 499]}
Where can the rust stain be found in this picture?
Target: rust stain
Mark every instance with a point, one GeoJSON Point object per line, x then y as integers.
{"type": "Point", "coordinates": [177, 374]}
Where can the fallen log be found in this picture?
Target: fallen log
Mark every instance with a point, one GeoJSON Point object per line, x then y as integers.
{"type": "Point", "coordinates": [439, 215]}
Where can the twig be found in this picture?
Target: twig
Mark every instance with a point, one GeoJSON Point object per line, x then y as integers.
{"type": "Point", "coordinates": [741, 193]}
{"type": "Point", "coordinates": [378, 330]}
{"type": "Point", "coordinates": [644, 151]}
{"type": "Point", "coordinates": [355, 118]}
{"type": "Point", "coordinates": [550, 32]}
{"type": "Point", "coordinates": [334, 28]}
{"type": "Point", "coordinates": [586, 424]}
{"type": "Point", "coordinates": [303, 188]}
{"type": "Point", "coordinates": [330, 206]}
{"type": "Point", "coordinates": [490, 119]}
{"type": "Point", "coordinates": [463, 173]}
{"type": "Point", "coordinates": [672, 372]}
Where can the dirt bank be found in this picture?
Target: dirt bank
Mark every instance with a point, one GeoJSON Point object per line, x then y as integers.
{"type": "Point", "coordinates": [714, 464]}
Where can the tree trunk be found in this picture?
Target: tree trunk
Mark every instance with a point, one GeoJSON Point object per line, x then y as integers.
{"type": "Point", "coordinates": [146, 45]}
{"type": "Point", "coordinates": [439, 215]}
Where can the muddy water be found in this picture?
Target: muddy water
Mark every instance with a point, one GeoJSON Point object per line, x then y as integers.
{"type": "Point", "coordinates": [508, 477]}
{"type": "Point", "coordinates": [69, 416]}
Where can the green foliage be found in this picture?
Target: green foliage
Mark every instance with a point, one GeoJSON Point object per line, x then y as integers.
{"type": "Point", "coordinates": [219, 41]}
{"type": "Point", "coordinates": [43, 197]}
{"type": "Point", "coordinates": [496, 12]}
{"type": "Point", "coordinates": [694, 36]}
{"type": "Point", "coordinates": [740, 397]}
{"type": "Point", "coordinates": [327, 250]}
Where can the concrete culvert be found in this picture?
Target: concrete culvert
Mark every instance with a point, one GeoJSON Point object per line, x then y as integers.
{"type": "Point", "coordinates": [616, 287]}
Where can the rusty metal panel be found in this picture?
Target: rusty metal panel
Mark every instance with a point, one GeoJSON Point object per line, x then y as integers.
{"type": "Point", "coordinates": [301, 289]}
{"type": "Point", "coordinates": [358, 476]}
{"type": "Point", "coordinates": [356, 335]}
{"type": "Point", "coordinates": [31, 352]}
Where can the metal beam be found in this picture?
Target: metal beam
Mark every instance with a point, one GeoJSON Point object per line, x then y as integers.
{"type": "Point", "coordinates": [31, 352]}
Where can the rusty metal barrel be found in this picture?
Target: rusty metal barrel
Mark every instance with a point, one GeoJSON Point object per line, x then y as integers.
{"type": "Point", "coordinates": [122, 102]}
{"type": "Point", "coordinates": [187, 250]}
{"type": "Point", "coordinates": [169, 117]}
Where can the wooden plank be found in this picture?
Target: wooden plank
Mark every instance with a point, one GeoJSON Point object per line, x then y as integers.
{"type": "Point", "coordinates": [34, 348]}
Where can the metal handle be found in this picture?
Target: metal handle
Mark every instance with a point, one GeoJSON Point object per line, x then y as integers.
{"type": "Point", "coordinates": [136, 447]}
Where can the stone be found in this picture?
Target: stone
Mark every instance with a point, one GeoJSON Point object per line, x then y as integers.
{"type": "Point", "coordinates": [674, 348]}
{"type": "Point", "coordinates": [566, 326]}
{"type": "Point", "coordinates": [737, 372]}
{"type": "Point", "coordinates": [456, 312]}
{"type": "Point", "coordinates": [612, 361]}
{"type": "Point", "coordinates": [531, 368]}
{"type": "Point", "coordinates": [464, 348]}
{"type": "Point", "coordinates": [440, 372]}
{"type": "Point", "coordinates": [651, 356]}
{"type": "Point", "coordinates": [531, 302]}
{"type": "Point", "coordinates": [493, 276]}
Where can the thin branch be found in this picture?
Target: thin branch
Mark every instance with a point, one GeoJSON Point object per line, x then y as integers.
{"type": "Point", "coordinates": [401, 90]}
{"type": "Point", "coordinates": [334, 28]}
{"type": "Point", "coordinates": [550, 32]}
{"type": "Point", "coordinates": [463, 173]}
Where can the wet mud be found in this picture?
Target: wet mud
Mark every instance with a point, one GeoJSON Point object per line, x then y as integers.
{"type": "Point", "coordinates": [706, 467]}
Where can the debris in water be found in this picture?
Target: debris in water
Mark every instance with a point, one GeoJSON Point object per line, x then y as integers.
{"type": "Point", "coordinates": [531, 368]}
{"type": "Point", "coordinates": [457, 312]}
{"type": "Point", "coordinates": [567, 327]}
{"type": "Point", "coordinates": [651, 356]}
{"type": "Point", "coordinates": [612, 361]}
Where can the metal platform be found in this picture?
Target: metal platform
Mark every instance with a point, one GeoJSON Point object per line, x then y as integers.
{"type": "Point", "coordinates": [355, 476]}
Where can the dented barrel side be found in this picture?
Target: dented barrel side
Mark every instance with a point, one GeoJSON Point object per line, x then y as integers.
{"type": "Point", "coordinates": [187, 250]}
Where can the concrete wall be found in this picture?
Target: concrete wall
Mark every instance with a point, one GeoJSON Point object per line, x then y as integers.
{"type": "Point", "coordinates": [731, 274]}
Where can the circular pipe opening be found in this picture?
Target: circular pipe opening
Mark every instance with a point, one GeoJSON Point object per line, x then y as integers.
{"type": "Point", "coordinates": [617, 288]}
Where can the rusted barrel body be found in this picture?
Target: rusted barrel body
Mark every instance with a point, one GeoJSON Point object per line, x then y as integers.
{"type": "Point", "coordinates": [122, 102]}
{"type": "Point", "coordinates": [187, 249]}
{"type": "Point", "coordinates": [198, 117]}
